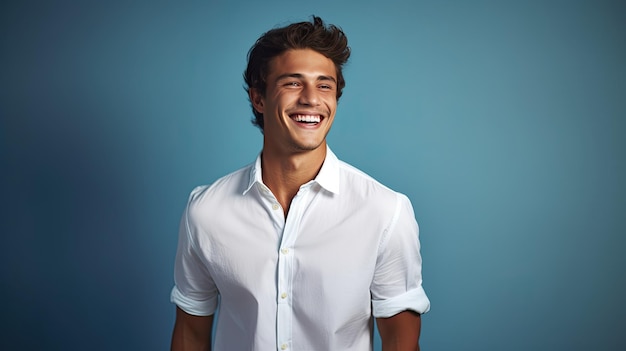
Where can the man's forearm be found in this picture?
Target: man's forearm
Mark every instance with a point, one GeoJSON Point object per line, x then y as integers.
{"type": "Point", "coordinates": [191, 333]}
{"type": "Point", "coordinates": [400, 332]}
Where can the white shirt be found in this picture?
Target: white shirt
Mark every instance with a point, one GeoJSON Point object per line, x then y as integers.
{"type": "Point", "coordinates": [349, 250]}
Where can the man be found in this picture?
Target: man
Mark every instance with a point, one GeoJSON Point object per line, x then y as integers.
{"type": "Point", "coordinates": [302, 249]}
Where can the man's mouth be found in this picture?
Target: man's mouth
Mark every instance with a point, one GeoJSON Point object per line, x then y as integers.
{"type": "Point", "coordinates": [308, 119]}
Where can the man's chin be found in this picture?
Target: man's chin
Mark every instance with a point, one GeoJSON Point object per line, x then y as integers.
{"type": "Point", "coordinates": [307, 147]}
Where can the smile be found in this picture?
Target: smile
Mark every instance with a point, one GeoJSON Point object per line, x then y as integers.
{"type": "Point", "coordinates": [309, 119]}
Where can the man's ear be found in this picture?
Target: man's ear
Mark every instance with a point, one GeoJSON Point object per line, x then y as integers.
{"type": "Point", "coordinates": [256, 99]}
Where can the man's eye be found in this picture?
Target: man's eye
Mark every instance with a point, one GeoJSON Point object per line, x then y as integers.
{"type": "Point", "coordinates": [292, 84]}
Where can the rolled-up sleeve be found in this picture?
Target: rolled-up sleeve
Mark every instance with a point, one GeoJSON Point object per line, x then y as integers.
{"type": "Point", "coordinates": [194, 291]}
{"type": "Point", "coordinates": [397, 283]}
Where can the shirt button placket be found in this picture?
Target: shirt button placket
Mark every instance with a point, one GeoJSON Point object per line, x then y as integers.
{"type": "Point", "coordinates": [285, 270]}
{"type": "Point", "coordinates": [284, 303]}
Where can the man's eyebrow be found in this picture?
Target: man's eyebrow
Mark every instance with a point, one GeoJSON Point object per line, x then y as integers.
{"type": "Point", "coordinates": [300, 76]}
{"type": "Point", "coordinates": [327, 78]}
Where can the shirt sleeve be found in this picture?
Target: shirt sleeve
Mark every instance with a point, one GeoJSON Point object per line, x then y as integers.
{"type": "Point", "coordinates": [194, 290]}
{"type": "Point", "coordinates": [397, 283]}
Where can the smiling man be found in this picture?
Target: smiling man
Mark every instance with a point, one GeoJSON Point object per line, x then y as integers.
{"type": "Point", "coordinates": [299, 250]}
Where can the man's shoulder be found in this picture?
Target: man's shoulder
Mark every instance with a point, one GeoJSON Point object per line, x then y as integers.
{"type": "Point", "coordinates": [351, 175]}
{"type": "Point", "coordinates": [228, 185]}
{"type": "Point", "coordinates": [357, 182]}
{"type": "Point", "coordinates": [361, 191]}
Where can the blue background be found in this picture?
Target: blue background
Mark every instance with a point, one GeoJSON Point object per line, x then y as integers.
{"type": "Point", "coordinates": [503, 121]}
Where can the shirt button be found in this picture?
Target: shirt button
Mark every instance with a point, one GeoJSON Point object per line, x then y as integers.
{"type": "Point", "coordinates": [283, 295]}
{"type": "Point", "coordinates": [284, 251]}
{"type": "Point", "coordinates": [275, 206]}
{"type": "Point", "coordinates": [283, 347]}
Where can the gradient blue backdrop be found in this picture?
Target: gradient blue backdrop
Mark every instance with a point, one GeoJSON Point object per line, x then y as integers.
{"type": "Point", "coordinates": [503, 121]}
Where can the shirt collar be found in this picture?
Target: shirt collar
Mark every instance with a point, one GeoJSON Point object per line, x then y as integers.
{"type": "Point", "coordinates": [327, 178]}
{"type": "Point", "coordinates": [255, 174]}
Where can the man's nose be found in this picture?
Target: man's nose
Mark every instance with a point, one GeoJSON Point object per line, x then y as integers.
{"type": "Point", "coordinates": [309, 96]}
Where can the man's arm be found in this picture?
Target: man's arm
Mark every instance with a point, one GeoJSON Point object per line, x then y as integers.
{"type": "Point", "coordinates": [191, 333]}
{"type": "Point", "coordinates": [400, 332]}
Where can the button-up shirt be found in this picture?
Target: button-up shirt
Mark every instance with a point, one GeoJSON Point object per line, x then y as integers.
{"type": "Point", "coordinates": [347, 251]}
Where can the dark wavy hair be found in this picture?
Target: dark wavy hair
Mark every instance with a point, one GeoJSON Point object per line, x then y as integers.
{"type": "Point", "coordinates": [329, 41]}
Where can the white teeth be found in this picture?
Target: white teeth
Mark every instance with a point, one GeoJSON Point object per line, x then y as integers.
{"type": "Point", "coordinates": [307, 118]}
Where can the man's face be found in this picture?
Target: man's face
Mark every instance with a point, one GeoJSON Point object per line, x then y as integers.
{"type": "Point", "coordinates": [300, 101]}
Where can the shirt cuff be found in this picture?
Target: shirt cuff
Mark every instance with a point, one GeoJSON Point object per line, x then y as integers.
{"type": "Point", "coordinates": [193, 307]}
{"type": "Point", "coordinates": [414, 300]}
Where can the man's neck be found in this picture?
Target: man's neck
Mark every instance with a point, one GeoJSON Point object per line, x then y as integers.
{"type": "Point", "coordinates": [285, 173]}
